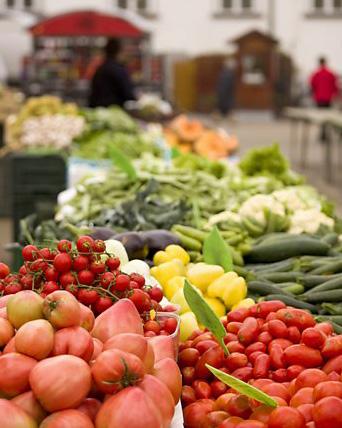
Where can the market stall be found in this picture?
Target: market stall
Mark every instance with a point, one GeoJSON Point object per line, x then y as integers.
{"type": "Point", "coordinates": [68, 48]}
{"type": "Point", "coordinates": [170, 287]}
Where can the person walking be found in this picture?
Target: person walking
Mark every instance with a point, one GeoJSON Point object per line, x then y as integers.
{"type": "Point", "coordinates": [324, 88]}
{"type": "Point", "coordinates": [111, 83]}
{"type": "Point", "coordinates": [324, 85]}
{"type": "Point", "coordinates": [226, 88]}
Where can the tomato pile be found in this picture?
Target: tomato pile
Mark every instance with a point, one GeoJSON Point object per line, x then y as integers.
{"type": "Point", "coordinates": [60, 367]}
{"type": "Point", "coordinates": [278, 349]}
{"type": "Point", "coordinates": [89, 274]}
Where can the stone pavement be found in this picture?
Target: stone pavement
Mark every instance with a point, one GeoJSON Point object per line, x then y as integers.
{"type": "Point", "coordinates": [261, 129]}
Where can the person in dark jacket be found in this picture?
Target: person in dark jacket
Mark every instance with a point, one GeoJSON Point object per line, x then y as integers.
{"type": "Point", "coordinates": [111, 84]}
{"type": "Point", "coordinates": [226, 88]}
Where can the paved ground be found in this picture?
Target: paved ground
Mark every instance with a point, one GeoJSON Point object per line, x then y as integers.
{"type": "Point", "coordinates": [255, 130]}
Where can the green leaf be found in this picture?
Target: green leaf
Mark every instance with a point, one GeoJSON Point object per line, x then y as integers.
{"type": "Point", "coordinates": [216, 251]}
{"type": "Point", "coordinates": [122, 162]}
{"type": "Point", "coordinates": [242, 387]}
{"type": "Point", "coordinates": [204, 314]}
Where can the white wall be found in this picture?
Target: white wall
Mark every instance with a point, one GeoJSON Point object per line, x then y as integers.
{"type": "Point", "coordinates": [188, 26]}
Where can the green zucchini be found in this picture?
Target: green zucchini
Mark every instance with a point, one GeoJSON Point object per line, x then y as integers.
{"type": "Point", "coordinates": [281, 276]}
{"type": "Point", "coordinates": [335, 318]}
{"type": "Point", "coordinates": [292, 288]}
{"type": "Point", "coordinates": [324, 296]}
{"type": "Point", "coordinates": [292, 301]}
{"type": "Point", "coordinates": [332, 284]}
{"type": "Point", "coordinates": [333, 309]}
{"type": "Point", "coordinates": [330, 238]}
{"type": "Point", "coordinates": [310, 281]}
{"type": "Point", "coordinates": [287, 248]}
{"type": "Point", "coordinates": [328, 268]}
{"type": "Point", "coordinates": [263, 288]}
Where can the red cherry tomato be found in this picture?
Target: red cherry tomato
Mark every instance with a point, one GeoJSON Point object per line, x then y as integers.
{"type": "Point", "coordinates": [313, 337]}
{"type": "Point", "coordinates": [327, 413]}
{"type": "Point", "coordinates": [302, 396]}
{"type": "Point", "coordinates": [286, 417]}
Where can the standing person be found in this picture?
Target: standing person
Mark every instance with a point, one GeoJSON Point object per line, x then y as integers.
{"type": "Point", "coordinates": [324, 88]}
{"type": "Point", "coordinates": [323, 85]}
{"type": "Point", "coordinates": [226, 88]}
{"type": "Point", "coordinates": [111, 83]}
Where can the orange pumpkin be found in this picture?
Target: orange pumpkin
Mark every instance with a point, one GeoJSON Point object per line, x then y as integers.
{"type": "Point", "coordinates": [187, 130]}
{"type": "Point", "coordinates": [212, 145]}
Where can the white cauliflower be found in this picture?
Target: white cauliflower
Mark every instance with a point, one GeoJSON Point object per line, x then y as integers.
{"type": "Point", "coordinates": [222, 217]}
{"type": "Point", "coordinates": [255, 207]}
{"type": "Point", "coordinates": [309, 221]}
{"type": "Point", "coordinates": [298, 198]}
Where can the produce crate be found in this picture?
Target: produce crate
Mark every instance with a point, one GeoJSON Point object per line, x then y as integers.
{"type": "Point", "coordinates": [28, 182]}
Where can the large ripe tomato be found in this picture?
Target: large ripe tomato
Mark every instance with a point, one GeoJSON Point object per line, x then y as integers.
{"type": "Point", "coordinates": [98, 348]}
{"type": "Point", "coordinates": [23, 307]}
{"type": "Point", "coordinates": [4, 300]}
{"type": "Point", "coordinates": [87, 317]}
{"type": "Point", "coordinates": [195, 414]}
{"type": "Point", "coordinates": [286, 417]}
{"type": "Point", "coordinates": [168, 372]}
{"type": "Point", "coordinates": [327, 413]}
{"type": "Point", "coordinates": [90, 407]}
{"type": "Point", "coordinates": [6, 332]}
{"type": "Point", "coordinates": [134, 344]}
{"type": "Point", "coordinates": [114, 370]}
{"type": "Point", "coordinates": [35, 339]}
{"type": "Point", "coordinates": [10, 347]}
{"type": "Point", "coordinates": [73, 341]}
{"type": "Point", "coordinates": [239, 406]}
{"type": "Point", "coordinates": [122, 317]}
{"type": "Point", "coordinates": [15, 370]}
{"type": "Point", "coordinates": [28, 402]}
{"type": "Point", "coordinates": [163, 347]}
{"type": "Point", "coordinates": [67, 419]}
{"type": "Point", "coordinates": [132, 408]}
{"type": "Point", "coordinates": [61, 382]}
{"type": "Point", "coordinates": [12, 416]}
{"type": "Point", "coordinates": [62, 309]}
{"type": "Point", "coordinates": [306, 411]}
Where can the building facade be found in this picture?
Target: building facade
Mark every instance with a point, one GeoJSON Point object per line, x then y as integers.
{"type": "Point", "coordinates": [305, 29]}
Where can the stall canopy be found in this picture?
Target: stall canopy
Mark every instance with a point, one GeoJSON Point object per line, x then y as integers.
{"type": "Point", "coordinates": [86, 23]}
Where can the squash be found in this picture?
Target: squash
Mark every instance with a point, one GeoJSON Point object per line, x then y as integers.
{"type": "Point", "coordinates": [187, 130]}
{"type": "Point", "coordinates": [232, 143]}
{"type": "Point", "coordinates": [171, 138]}
{"type": "Point", "coordinates": [212, 145]}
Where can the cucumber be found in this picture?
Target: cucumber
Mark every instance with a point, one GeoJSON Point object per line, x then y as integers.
{"type": "Point", "coordinates": [332, 284]}
{"type": "Point", "coordinates": [293, 288]}
{"type": "Point", "coordinates": [287, 248]}
{"type": "Point", "coordinates": [310, 281]}
{"type": "Point", "coordinates": [337, 327]}
{"type": "Point", "coordinates": [328, 268]}
{"type": "Point", "coordinates": [281, 276]}
{"type": "Point", "coordinates": [292, 301]}
{"type": "Point", "coordinates": [242, 271]}
{"type": "Point", "coordinates": [335, 318]}
{"type": "Point", "coordinates": [273, 237]}
{"type": "Point", "coordinates": [333, 309]}
{"type": "Point", "coordinates": [324, 296]}
{"type": "Point", "coordinates": [263, 288]}
{"type": "Point", "coordinates": [330, 238]}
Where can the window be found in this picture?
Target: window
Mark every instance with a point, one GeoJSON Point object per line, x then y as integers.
{"type": "Point", "coordinates": [122, 4]}
{"type": "Point", "coordinates": [10, 3]}
{"type": "Point", "coordinates": [338, 5]}
{"type": "Point", "coordinates": [318, 4]}
{"type": "Point", "coordinates": [142, 5]}
{"type": "Point", "coordinates": [227, 4]}
{"type": "Point", "coordinates": [28, 4]}
{"type": "Point", "coordinates": [246, 4]}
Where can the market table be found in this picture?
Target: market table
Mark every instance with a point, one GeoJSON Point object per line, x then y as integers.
{"type": "Point", "coordinates": [331, 119]}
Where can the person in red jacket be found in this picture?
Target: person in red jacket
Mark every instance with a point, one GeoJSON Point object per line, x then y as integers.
{"type": "Point", "coordinates": [323, 85]}
{"type": "Point", "coordinates": [324, 88]}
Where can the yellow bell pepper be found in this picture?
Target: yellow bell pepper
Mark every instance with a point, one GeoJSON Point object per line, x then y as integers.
{"type": "Point", "coordinates": [216, 305]}
{"type": "Point", "coordinates": [234, 292]}
{"type": "Point", "coordinates": [188, 325]}
{"type": "Point", "coordinates": [171, 252]}
{"type": "Point", "coordinates": [173, 285]}
{"type": "Point", "coordinates": [217, 287]}
{"type": "Point", "coordinates": [164, 272]}
{"type": "Point", "coordinates": [201, 275]}
{"type": "Point", "coordinates": [245, 303]}
{"type": "Point", "coordinates": [179, 299]}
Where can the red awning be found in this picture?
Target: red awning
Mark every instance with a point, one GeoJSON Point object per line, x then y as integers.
{"type": "Point", "coordinates": [85, 23]}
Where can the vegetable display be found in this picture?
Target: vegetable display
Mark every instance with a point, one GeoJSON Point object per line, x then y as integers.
{"type": "Point", "coordinates": [58, 371]}
{"type": "Point", "coordinates": [278, 349]}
